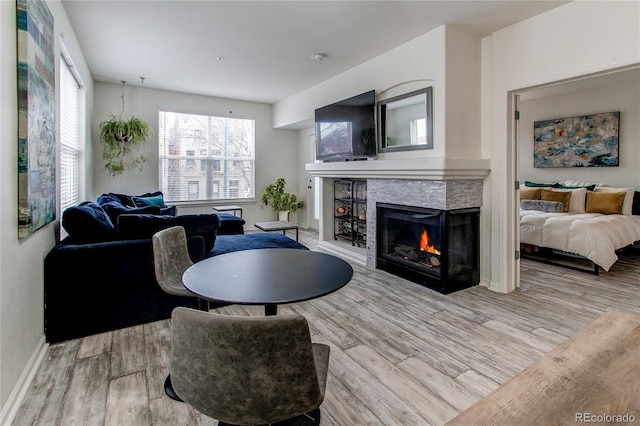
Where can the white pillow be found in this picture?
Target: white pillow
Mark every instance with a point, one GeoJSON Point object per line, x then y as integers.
{"type": "Point", "coordinates": [576, 184]}
{"type": "Point", "coordinates": [627, 205]}
{"type": "Point", "coordinates": [578, 199]}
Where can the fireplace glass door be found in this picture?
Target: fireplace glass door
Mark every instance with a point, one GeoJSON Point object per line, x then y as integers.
{"type": "Point", "coordinates": [436, 248]}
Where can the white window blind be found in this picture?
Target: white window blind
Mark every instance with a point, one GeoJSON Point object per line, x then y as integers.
{"type": "Point", "coordinates": [205, 158]}
{"type": "Point", "coordinates": [70, 148]}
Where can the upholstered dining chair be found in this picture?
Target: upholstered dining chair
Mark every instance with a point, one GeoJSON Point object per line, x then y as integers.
{"type": "Point", "coordinates": [247, 370]}
{"type": "Point", "coordinates": [171, 259]}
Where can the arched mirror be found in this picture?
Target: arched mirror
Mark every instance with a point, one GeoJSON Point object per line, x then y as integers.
{"type": "Point", "coordinates": [406, 122]}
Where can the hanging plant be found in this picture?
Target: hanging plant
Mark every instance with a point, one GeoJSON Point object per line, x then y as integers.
{"type": "Point", "coordinates": [121, 141]}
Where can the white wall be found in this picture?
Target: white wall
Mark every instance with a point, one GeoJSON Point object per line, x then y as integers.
{"type": "Point", "coordinates": [614, 92]}
{"type": "Point", "coordinates": [577, 39]}
{"type": "Point", "coordinates": [447, 58]}
{"type": "Point", "coordinates": [420, 59]}
{"type": "Point", "coordinates": [21, 261]}
{"type": "Point", "coordinates": [305, 155]}
{"type": "Point", "coordinates": [462, 109]}
{"type": "Point", "coordinates": [276, 149]}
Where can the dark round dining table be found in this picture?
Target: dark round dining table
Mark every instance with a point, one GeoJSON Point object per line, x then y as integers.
{"type": "Point", "coordinates": [268, 277]}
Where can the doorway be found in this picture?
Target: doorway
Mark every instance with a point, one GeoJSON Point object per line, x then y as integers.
{"type": "Point", "coordinates": [613, 90]}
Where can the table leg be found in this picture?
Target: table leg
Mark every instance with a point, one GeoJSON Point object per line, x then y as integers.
{"type": "Point", "coordinates": [270, 309]}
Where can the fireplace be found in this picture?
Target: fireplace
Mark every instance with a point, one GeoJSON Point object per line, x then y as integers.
{"type": "Point", "coordinates": [435, 248]}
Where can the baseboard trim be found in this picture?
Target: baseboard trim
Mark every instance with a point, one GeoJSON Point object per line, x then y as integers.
{"type": "Point", "coordinates": [342, 252]}
{"type": "Point", "coordinates": [10, 409]}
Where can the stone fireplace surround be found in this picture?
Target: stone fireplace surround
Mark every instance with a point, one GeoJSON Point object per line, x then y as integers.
{"type": "Point", "coordinates": [438, 183]}
{"type": "Point", "coordinates": [439, 195]}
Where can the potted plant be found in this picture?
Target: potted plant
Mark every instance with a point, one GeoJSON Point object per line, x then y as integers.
{"type": "Point", "coordinates": [281, 202]}
{"type": "Point", "coordinates": [119, 137]}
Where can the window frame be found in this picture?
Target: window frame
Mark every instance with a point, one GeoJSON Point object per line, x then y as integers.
{"type": "Point", "coordinates": [74, 151]}
{"type": "Point", "coordinates": [210, 158]}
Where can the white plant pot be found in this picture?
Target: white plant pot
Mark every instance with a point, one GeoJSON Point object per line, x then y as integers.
{"type": "Point", "coordinates": [283, 216]}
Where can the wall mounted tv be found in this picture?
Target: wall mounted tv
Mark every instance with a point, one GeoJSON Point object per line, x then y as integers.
{"type": "Point", "coordinates": [345, 130]}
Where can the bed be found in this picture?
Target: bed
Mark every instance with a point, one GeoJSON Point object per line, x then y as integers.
{"type": "Point", "coordinates": [579, 232]}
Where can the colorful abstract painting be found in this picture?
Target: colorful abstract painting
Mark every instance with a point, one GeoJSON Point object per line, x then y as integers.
{"type": "Point", "coordinates": [36, 117]}
{"type": "Point", "coordinates": [584, 141]}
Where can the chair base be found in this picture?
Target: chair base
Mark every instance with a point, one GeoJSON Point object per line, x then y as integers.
{"type": "Point", "coordinates": [311, 418]}
{"type": "Point", "coordinates": [168, 389]}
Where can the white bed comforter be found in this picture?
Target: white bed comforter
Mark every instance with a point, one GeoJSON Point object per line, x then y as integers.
{"type": "Point", "coordinates": [592, 235]}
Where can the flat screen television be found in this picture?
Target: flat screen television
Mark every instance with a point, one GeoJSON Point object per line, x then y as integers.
{"type": "Point", "coordinates": [346, 130]}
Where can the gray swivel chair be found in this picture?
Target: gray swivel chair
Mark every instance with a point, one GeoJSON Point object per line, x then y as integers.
{"type": "Point", "coordinates": [248, 370]}
{"type": "Point", "coordinates": [171, 259]}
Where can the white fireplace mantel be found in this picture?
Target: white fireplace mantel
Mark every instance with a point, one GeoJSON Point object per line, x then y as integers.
{"type": "Point", "coordinates": [419, 168]}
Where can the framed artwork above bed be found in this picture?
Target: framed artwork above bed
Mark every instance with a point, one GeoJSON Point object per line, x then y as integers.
{"type": "Point", "coordinates": [583, 141]}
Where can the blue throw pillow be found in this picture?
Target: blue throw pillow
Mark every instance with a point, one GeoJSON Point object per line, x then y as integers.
{"type": "Point", "coordinates": [155, 200]}
{"type": "Point", "coordinates": [125, 200]}
{"type": "Point", "coordinates": [88, 223]}
{"type": "Point", "coordinates": [169, 211]}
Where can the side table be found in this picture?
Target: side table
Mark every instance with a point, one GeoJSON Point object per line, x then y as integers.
{"type": "Point", "coordinates": [277, 226]}
{"type": "Point", "coordinates": [233, 208]}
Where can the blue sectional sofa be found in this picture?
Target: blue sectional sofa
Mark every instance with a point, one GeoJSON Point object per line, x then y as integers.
{"type": "Point", "coordinates": [101, 277]}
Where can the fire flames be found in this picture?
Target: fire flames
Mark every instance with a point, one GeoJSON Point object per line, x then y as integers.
{"type": "Point", "coordinates": [424, 244]}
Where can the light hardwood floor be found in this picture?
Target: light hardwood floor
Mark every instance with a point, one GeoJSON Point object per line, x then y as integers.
{"type": "Point", "coordinates": [400, 354]}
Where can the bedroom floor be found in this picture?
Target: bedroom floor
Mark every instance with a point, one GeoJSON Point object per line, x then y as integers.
{"type": "Point", "coordinates": [400, 353]}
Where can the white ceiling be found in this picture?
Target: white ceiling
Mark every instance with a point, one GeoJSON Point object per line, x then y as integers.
{"type": "Point", "coordinates": [265, 45]}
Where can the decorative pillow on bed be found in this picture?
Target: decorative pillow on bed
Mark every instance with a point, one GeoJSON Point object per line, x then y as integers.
{"type": "Point", "coordinates": [563, 196]}
{"type": "Point", "coordinates": [627, 205]}
{"type": "Point", "coordinates": [588, 187]}
{"type": "Point", "coordinates": [578, 198]}
{"type": "Point", "coordinates": [578, 184]}
{"type": "Point", "coordinates": [540, 185]}
{"type": "Point", "coordinates": [605, 202]}
{"type": "Point", "coordinates": [543, 206]}
{"type": "Point", "coordinates": [530, 193]}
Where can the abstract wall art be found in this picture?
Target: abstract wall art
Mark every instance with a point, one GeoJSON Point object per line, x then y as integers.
{"type": "Point", "coordinates": [36, 117]}
{"type": "Point", "coordinates": [583, 141]}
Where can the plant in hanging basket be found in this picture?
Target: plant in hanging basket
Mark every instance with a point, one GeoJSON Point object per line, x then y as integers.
{"type": "Point", "coordinates": [121, 140]}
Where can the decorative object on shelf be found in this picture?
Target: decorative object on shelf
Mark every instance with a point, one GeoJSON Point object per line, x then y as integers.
{"type": "Point", "coordinates": [584, 141]}
{"type": "Point", "coordinates": [36, 117]}
{"type": "Point", "coordinates": [281, 202]}
{"type": "Point", "coordinates": [122, 140]}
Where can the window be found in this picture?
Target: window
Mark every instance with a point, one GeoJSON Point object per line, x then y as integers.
{"type": "Point", "coordinates": [70, 140]}
{"type": "Point", "coordinates": [193, 188]}
{"type": "Point", "coordinates": [418, 129]}
{"type": "Point", "coordinates": [223, 146]}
